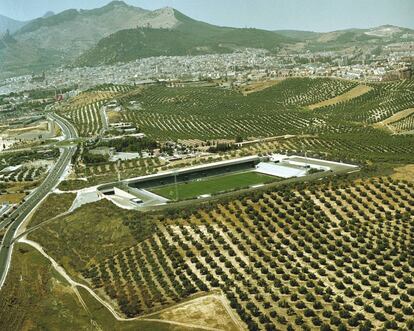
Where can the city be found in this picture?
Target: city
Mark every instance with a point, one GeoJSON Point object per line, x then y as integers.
{"type": "Point", "coordinates": [394, 62]}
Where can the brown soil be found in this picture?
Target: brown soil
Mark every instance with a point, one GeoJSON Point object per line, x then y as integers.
{"type": "Point", "coordinates": [351, 94]}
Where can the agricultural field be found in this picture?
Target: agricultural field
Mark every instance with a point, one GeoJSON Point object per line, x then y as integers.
{"type": "Point", "coordinates": [351, 94]}
{"type": "Point", "coordinates": [212, 185]}
{"type": "Point", "coordinates": [383, 101]}
{"type": "Point", "coordinates": [36, 297]}
{"type": "Point", "coordinates": [333, 254]}
{"type": "Point", "coordinates": [24, 174]}
{"type": "Point", "coordinates": [403, 125]}
{"type": "Point", "coordinates": [328, 254]}
{"type": "Point", "coordinates": [87, 119]}
{"type": "Point", "coordinates": [211, 113]}
{"type": "Point", "coordinates": [84, 110]}
{"type": "Point", "coordinates": [347, 116]}
{"type": "Point", "coordinates": [380, 147]}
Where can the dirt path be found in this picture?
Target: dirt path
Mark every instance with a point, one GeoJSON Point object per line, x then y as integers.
{"type": "Point", "coordinates": [59, 269]}
{"type": "Point", "coordinates": [230, 312]}
{"type": "Point", "coordinates": [395, 118]}
{"type": "Point", "coordinates": [260, 86]}
{"type": "Point", "coordinates": [74, 285]}
{"type": "Point", "coordinates": [351, 94]}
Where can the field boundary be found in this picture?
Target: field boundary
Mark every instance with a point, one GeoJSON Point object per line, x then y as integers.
{"type": "Point", "coordinates": [349, 95]}
{"type": "Point", "coordinates": [396, 117]}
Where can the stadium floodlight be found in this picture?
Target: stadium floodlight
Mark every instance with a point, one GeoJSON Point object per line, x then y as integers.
{"type": "Point", "coordinates": [176, 186]}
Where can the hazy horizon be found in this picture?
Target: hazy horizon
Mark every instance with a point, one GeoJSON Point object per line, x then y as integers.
{"type": "Point", "coordinates": [320, 15]}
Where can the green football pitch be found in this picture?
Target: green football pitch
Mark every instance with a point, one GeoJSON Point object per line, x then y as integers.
{"type": "Point", "coordinates": [212, 185]}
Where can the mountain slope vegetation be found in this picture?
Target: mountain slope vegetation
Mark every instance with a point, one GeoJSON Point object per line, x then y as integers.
{"type": "Point", "coordinates": [119, 32]}
{"type": "Point", "coordinates": [131, 44]}
{"type": "Point", "coordinates": [10, 24]}
{"type": "Point", "coordinates": [61, 38]}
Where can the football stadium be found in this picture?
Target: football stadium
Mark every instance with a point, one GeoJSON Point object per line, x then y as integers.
{"type": "Point", "coordinates": [205, 181]}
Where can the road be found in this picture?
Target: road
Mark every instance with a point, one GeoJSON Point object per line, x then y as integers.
{"type": "Point", "coordinates": [104, 120]}
{"type": "Point", "coordinates": [17, 217]}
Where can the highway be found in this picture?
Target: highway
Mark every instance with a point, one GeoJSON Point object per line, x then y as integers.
{"type": "Point", "coordinates": [17, 217]}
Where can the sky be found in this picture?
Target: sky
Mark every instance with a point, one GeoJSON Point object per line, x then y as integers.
{"type": "Point", "coordinates": [312, 15]}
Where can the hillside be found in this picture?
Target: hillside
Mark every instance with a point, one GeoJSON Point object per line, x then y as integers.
{"type": "Point", "coordinates": [10, 24]}
{"type": "Point", "coordinates": [350, 37]}
{"type": "Point", "coordinates": [381, 35]}
{"type": "Point", "coordinates": [188, 37]}
{"type": "Point", "coordinates": [298, 34]}
{"type": "Point", "coordinates": [63, 37]}
{"type": "Point", "coordinates": [119, 32]}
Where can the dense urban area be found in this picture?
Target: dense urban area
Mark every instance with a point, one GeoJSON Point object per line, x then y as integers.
{"type": "Point", "coordinates": [374, 64]}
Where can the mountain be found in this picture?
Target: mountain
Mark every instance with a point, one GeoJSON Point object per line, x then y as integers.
{"type": "Point", "coordinates": [10, 24]}
{"type": "Point", "coordinates": [48, 14]}
{"type": "Point", "coordinates": [378, 36]}
{"type": "Point", "coordinates": [73, 31]}
{"type": "Point", "coordinates": [119, 32]}
{"type": "Point", "coordinates": [188, 36]}
{"type": "Point", "coordinates": [59, 39]}
{"type": "Point", "coordinates": [299, 35]}
{"type": "Point", "coordinates": [350, 37]}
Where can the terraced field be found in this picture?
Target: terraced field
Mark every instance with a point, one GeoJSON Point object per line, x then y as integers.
{"type": "Point", "coordinates": [210, 113]}
{"type": "Point", "coordinates": [383, 101]}
{"type": "Point", "coordinates": [403, 125]}
{"type": "Point", "coordinates": [351, 124]}
{"type": "Point", "coordinates": [84, 110]}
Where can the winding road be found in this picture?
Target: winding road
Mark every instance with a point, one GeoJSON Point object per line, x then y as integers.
{"type": "Point", "coordinates": [17, 217]}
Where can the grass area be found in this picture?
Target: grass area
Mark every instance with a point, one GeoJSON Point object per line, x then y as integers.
{"type": "Point", "coordinates": [213, 185]}
{"type": "Point", "coordinates": [12, 197]}
{"type": "Point", "coordinates": [73, 240]}
{"type": "Point", "coordinates": [73, 184]}
{"type": "Point", "coordinates": [404, 173]}
{"type": "Point", "coordinates": [36, 297]}
{"type": "Point", "coordinates": [52, 206]}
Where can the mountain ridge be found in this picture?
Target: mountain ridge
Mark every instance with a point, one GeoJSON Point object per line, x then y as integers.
{"type": "Point", "coordinates": [7, 23]}
{"type": "Point", "coordinates": [119, 32]}
{"type": "Point", "coordinates": [57, 40]}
